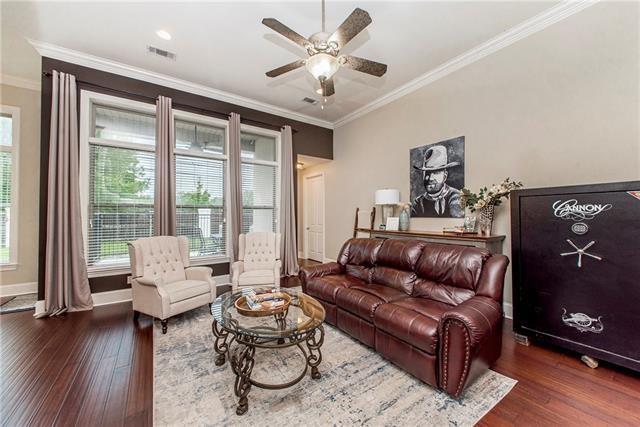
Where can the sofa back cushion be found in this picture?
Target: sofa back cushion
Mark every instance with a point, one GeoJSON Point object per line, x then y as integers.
{"type": "Point", "coordinates": [449, 273]}
{"type": "Point", "coordinates": [259, 250]}
{"type": "Point", "coordinates": [160, 257]}
{"type": "Point", "coordinates": [395, 264]}
{"type": "Point", "coordinates": [358, 256]}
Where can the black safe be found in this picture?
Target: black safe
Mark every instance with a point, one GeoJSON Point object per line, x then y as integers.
{"type": "Point", "coordinates": [576, 268]}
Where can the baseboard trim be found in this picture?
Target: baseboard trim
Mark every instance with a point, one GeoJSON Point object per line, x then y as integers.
{"type": "Point", "coordinates": [507, 307]}
{"type": "Point", "coordinates": [121, 295]}
{"type": "Point", "coordinates": [18, 289]}
{"type": "Point", "coordinates": [300, 254]}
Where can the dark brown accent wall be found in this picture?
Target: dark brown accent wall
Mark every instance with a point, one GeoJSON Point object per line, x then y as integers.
{"type": "Point", "coordinates": [308, 139]}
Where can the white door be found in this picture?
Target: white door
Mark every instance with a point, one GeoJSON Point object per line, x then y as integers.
{"type": "Point", "coordinates": [314, 217]}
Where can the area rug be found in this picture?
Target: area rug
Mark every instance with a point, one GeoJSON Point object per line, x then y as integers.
{"type": "Point", "coordinates": [17, 303]}
{"type": "Point", "coordinates": [357, 387]}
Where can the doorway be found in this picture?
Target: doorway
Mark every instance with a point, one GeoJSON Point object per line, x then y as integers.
{"type": "Point", "coordinates": [313, 195]}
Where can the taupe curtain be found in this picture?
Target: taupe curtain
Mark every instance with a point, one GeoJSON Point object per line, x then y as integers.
{"type": "Point", "coordinates": [66, 284]}
{"type": "Point", "coordinates": [288, 248]}
{"type": "Point", "coordinates": [235, 183]}
{"type": "Point", "coordinates": [164, 219]}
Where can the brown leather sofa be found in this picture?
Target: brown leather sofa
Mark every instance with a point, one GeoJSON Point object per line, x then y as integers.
{"type": "Point", "coordinates": [434, 310]}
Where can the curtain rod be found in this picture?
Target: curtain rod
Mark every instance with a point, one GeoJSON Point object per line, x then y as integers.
{"type": "Point", "coordinates": [177, 105]}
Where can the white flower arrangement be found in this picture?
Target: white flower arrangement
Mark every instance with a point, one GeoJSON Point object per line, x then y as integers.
{"type": "Point", "coordinates": [487, 196]}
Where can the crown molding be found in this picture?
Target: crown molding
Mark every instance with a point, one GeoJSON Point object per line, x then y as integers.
{"type": "Point", "coordinates": [7, 79]}
{"type": "Point", "coordinates": [68, 55]}
{"type": "Point", "coordinates": [507, 38]}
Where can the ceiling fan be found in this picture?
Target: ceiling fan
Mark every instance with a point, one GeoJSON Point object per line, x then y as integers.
{"type": "Point", "coordinates": [324, 50]}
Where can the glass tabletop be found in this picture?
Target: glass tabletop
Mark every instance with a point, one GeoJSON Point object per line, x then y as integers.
{"type": "Point", "coordinates": [303, 314]}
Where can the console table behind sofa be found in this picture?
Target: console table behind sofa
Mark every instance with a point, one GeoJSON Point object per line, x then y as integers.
{"type": "Point", "coordinates": [492, 243]}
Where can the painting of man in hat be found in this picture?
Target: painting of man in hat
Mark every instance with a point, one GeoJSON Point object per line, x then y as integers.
{"type": "Point", "coordinates": [437, 174]}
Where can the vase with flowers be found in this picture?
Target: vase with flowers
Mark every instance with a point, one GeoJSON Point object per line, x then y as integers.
{"type": "Point", "coordinates": [485, 202]}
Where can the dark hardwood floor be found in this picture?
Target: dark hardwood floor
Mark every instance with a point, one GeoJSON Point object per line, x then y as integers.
{"type": "Point", "coordinates": [87, 368]}
{"type": "Point", "coordinates": [96, 368]}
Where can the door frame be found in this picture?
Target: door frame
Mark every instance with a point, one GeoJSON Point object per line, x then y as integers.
{"type": "Point", "coordinates": [305, 211]}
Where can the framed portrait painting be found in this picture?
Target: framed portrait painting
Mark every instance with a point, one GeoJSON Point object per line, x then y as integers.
{"type": "Point", "coordinates": [437, 176]}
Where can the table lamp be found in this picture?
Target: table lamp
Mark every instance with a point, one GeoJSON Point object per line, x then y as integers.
{"type": "Point", "coordinates": [387, 198]}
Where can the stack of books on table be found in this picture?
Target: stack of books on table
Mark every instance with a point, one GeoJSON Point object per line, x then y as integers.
{"type": "Point", "coordinates": [264, 301]}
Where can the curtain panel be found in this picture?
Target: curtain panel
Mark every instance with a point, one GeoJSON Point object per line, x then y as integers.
{"type": "Point", "coordinates": [288, 248]}
{"type": "Point", "coordinates": [66, 283]}
{"type": "Point", "coordinates": [165, 198]}
{"type": "Point", "coordinates": [235, 184]}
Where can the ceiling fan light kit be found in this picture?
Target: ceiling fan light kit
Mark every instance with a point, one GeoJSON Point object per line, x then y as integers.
{"type": "Point", "coordinates": [324, 50]}
{"type": "Point", "coordinates": [322, 66]}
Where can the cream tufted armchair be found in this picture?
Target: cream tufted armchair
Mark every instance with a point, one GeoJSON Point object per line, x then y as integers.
{"type": "Point", "coordinates": [258, 260]}
{"type": "Point", "coordinates": [163, 284]}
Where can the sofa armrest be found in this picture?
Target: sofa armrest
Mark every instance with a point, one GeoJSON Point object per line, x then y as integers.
{"type": "Point", "coordinates": [148, 281]}
{"type": "Point", "coordinates": [307, 273]}
{"type": "Point", "coordinates": [149, 297]}
{"type": "Point", "coordinates": [237, 268]}
{"type": "Point", "coordinates": [277, 272]}
{"type": "Point", "coordinates": [204, 274]}
{"type": "Point", "coordinates": [199, 273]}
{"type": "Point", "coordinates": [470, 340]}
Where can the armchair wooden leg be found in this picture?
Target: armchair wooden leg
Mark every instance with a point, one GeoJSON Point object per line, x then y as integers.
{"type": "Point", "coordinates": [164, 325]}
{"type": "Point", "coordinates": [136, 315]}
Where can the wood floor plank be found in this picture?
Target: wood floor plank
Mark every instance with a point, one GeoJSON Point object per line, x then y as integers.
{"type": "Point", "coordinates": [96, 368]}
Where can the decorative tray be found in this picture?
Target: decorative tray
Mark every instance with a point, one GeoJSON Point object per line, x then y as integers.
{"type": "Point", "coordinates": [264, 300]}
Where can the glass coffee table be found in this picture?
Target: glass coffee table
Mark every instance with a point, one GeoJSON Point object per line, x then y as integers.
{"type": "Point", "coordinates": [238, 335]}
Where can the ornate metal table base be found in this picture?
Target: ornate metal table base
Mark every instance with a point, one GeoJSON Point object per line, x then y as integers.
{"type": "Point", "coordinates": [242, 357]}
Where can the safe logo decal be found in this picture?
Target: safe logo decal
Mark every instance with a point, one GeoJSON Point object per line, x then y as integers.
{"type": "Point", "coordinates": [570, 209]}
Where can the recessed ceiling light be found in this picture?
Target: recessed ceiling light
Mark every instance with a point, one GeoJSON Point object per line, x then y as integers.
{"type": "Point", "coordinates": [164, 35]}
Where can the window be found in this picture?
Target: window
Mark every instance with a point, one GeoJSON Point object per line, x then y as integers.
{"type": "Point", "coordinates": [9, 137]}
{"type": "Point", "coordinates": [120, 160]}
{"type": "Point", "coordinates": [260, 179]}
{"type": "Point", "coordinates": [201, 176]}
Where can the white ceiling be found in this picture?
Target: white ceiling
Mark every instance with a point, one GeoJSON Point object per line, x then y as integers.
{"type": "Point", "coordinates": [224, 45]}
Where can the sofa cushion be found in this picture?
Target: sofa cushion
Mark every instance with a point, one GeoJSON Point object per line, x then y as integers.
{"type": "Point", "coordinates": [362, 300]}
{"type": "Point", "coordinates": [326, 287]}
{"type": "Point", "coordinates": [258, 250]}
{"type": "Point", "coordinates": [395, 263]}
{"type": "Point", "coordinates": [394, 278]}
{"type": "Point", "coordinates": [362, 273]}
{"type": "Point", "coordinates": [256, 277]}
{"type": "Point", "coordinates": [180, 291]}
{"type": "Point", "coordinates": [400, 254]}
{"type": "Point", "coordinates": [360, 252]}
{"type": "Point", "coordinates": [358, 256]}
{"type": "Point", "coordinates": [412, 320]}
{"type": "Point", "coordinates": [452, 265]}
{"type": "Point", "coordinates": [385, 293]}
{"type": "Point", "coordinates": [439, 292]}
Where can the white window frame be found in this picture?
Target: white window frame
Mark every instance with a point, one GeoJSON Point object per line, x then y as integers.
{"type": "Point", "coordinates": [87, 100]}
{"type": "Point", "coordinates": [277, 163]}
{"type": "Point", "coordinates": [14, 112]}
{"type": "Point", "coordinates": [212, 121]}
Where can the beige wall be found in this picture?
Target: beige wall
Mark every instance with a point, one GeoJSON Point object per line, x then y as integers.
{"type": "Point", "coordinates": [557, 108]}
{"type": "Point", "coordinates": [29, 174]}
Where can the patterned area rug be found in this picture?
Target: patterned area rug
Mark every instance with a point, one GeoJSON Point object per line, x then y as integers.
{"type": "Point", "coordinates": [18, 303]}
{"type": "Point", "coordinates": [358, 387]}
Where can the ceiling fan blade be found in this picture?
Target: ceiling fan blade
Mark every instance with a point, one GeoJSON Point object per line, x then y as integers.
{"type": "Point", "coordinates": [285, 68]}
{"type": "Point", "coordinates": [287, 32]}
{"type": "Point", "coordinates": [356, 22]}
{"type": "Point", "coordinates": [363, 65]}
{"type": "Point", "coordinates": [327, 87]}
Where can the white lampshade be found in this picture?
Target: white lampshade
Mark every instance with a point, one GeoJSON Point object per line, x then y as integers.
{"type": "Point", "coordinates": [322, 65]}
{"type": "Point", "coordinates": [387, 197]}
